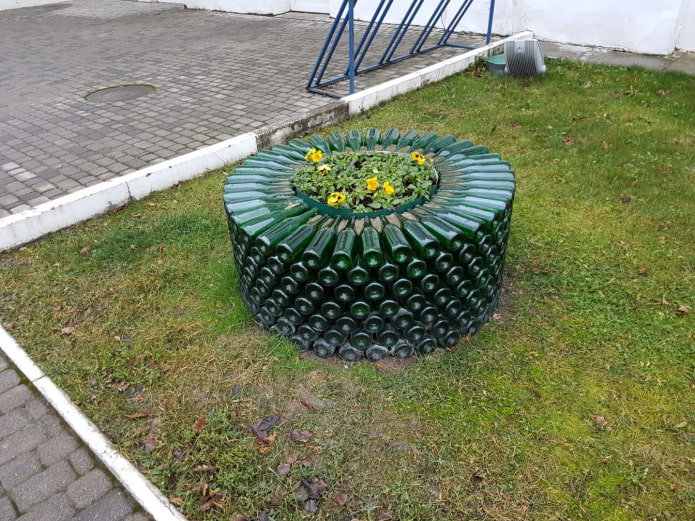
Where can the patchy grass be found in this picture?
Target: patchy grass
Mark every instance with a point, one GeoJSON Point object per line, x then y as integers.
{"type": "Point", "coordinates": [576, 404]}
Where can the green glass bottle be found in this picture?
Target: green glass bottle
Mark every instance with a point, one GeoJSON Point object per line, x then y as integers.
{"type": "Point", "coordinates": [401, 288]}
{"type": "Point", "coordinates": [331, 309]}
{"type": "Point", "coordinates": [375, 352]}
{"type": "Point", "coordinates": [361, 339]}
{"type": "Point", "coordinates": [443, 262]}
{"type": "Point", "coordinates": [276, 265]}
{"type": "Point", "coordinates": [304, 305]}
{"type": "Point", "coordinates": [314, 291]}
{"type": "Point", "coordinates": [293, 315]}
{"type": "Point", "coordinates": [388, 336]}
{"type": "Point", "coordinates": [439, 328]}
{"type": "Point", "coordinates": [464, 289]}
{"type": "Point", "coordinates": [416, 269]}
{"type": "Point", "coordinates": [372, 255]}
{"type": "Point", "coordinates": [344, 293]}
{"type": "Point", "coordinates": [323, 348]}
{"type": "Point", "coordinates": [402, 349]}
{"type": "Point", "coordinates": [415, 333]}
{"type": "Point", "coordinates": [307, 332]}
{"type": "Point", "coordinates": [300, 272]}
{"type": "Point", "coordinates": [424, 242]}
{"type": "Point", "coordinates": [289, 285]}
{"type": "Point", "coordinates": [270, 237]}
{"type": "Point", "coordinates": [388, 272]}
{"type": "Point", "coordinates": [349, 353]}
{"type": "Point", "coordinates": [427, 345]}
{"type": "Point", "coordinates": [416, 302]}
{"type": "Point", "coordinates": [344, 250]}
{"type": "Point", "coordinates": [454, 276]}
{"type": "Point", "coordinates": [358, 274]}
{"type": "Point", "coordinates": [359, 309]}
{"type": "Point", "coordinates": [328, 276]}
{"type": "Point", "coordinates": [281, 298]}
{"type": "Point", "coordinates": [403, 319]}
{"type": "Point", "coordinates": [335, 337]}
{"type": "Point", "coordinates": [293, 245]}
{"type": "Point", "coordinates": [301, 343]}
{"type": "Point", "coordinates": [374, 291]}
{"type": "Point", "coordinates": [373, 323]}
{"type": "Point", "coordinates": [318, 322]}
{"type": "Point", "coordinates": [397, 245]}
{"type": "Point", "coordinates": [449, 339]}
{"type": "Point", "coordinates": [346, 324]}
{"type": "Point", "coordinates": [388, 308]}
{"type": "Point", "coordinates": [441, 297]}
{"type": "Point", "coordinates": [284, 327]}
{"type": "Point", "coordinates": [320, 248]}
{"type": "Point", "coordinates": [429, 283]}
{"type": "Point", "coordinates": [428, 314]}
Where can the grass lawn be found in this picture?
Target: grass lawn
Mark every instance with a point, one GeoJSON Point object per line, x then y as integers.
{"type": "Point", "coordinates": [576, 403]}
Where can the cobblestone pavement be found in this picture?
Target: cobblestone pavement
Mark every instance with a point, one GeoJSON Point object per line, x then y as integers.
{"type": "Point", "coordinates": [215, 75]}
{"type": "Point", "coordinates": [46, 473]}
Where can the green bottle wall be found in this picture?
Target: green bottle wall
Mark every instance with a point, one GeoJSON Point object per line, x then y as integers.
{"type": "Point", "coordinates": [377, 284]}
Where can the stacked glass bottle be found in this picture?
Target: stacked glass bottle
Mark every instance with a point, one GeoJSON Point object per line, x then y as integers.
{"type": "Point", "coordinates": [380, 283]}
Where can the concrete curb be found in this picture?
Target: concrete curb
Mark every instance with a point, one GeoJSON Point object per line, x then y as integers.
{"type": "Point", "coordinates": [146, 494]}
{"type": "Point", "coordinates": [27, 226]}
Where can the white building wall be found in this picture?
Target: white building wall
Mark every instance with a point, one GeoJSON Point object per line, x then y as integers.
{"type": "Point", "coordinates": [634, 25]}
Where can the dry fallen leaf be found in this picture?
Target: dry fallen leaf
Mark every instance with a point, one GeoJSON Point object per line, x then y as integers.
{"type": "Point", "coordinates": [85, 250]}
{"type": "Point", "coordinates": [205, 469]}
{"type": "Point", "coordinates": [339, 498]}
{"type": "Point", "coordinates": [300, 436]}
{"type": "Point", "coordinates": [284, 469]}
{"type": "Point", "coordinates": [600, 422]}
{"type": "Point", "coordinates": [176, 501]}
{"type": "Point", "coordinates": [199, 424]}
{"type": "Point", "coordinates": [67, 330]}
{"type": "Point", "coordinates": [683, 309]}
{"type": "Point", "coordinates": [212, 503]}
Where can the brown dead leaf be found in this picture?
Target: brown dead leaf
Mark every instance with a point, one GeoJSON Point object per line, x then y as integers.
{"type": "Point", "coordinates": [340, 498]}
{"type": "Point", "coordinates": [261, 428]}
{"type": "Point", "coordinates": [300, 436]}
{"type": "Point", "coordinates": [150, 445]}
{"type": "Point", "coordinates": [625, 199]}
{"type": "Point", "coordinates": [683, 309]}
{"type": "Point", "coordinates": [284, 469]}
{"type": "Point", "coordinates": [137, 415]}
{"type": "Point", "coordinates": [568, 141]}
{"type": "Point", "coordinates": [176, 501]}
{"type": "Point", "coordinates": [600, 422]}
{"type": "Point", "coordinates": [205, 469]}
{"type": "Point", "coordinates": [120, 386]}
{"type": "Point", "coordinates": [642, 271]}
{"type": "Point", "coordinates": [308, 461]}
{"type": "Point", "coordinates": [85, 250]}
{"type": "Point", "coordinates": [662, 92]}
{"type": "Point", "coordinates": [199, 424]}
{"type": "Point", "coordinates": [292, 458]}
{"type": "Point", "coordinates": [67, 330]}
{"type": "Point", "coordinates": [605, 145]}
{"type": "Point", "coordinates": [213, 503]}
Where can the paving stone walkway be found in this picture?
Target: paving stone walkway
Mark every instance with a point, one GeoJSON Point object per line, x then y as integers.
{"type": "Point", "coordinates": [215, 75]}
{"type": "Point", "coordinates": [46, 473]}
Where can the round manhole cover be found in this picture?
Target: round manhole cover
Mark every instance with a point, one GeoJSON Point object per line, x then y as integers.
{"type": "Point", "coordinates": [119, 93]}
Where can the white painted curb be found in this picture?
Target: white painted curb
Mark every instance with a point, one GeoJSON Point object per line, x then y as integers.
{"type": "Point", "coordinates": [65, 211]}
{"type": "Point", "coordinates": [146, 494]}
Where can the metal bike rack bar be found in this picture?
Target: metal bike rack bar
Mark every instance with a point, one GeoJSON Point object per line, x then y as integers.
{"type": "Point", "coordinates": [345, 18]}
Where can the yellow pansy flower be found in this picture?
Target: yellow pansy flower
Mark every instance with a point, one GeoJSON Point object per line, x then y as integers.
{"type": "Point", "coordinates": [375, 170]}
{"type": "Point", "coordinates": [324, 169]}
{"type": "Point", "coordinates": [335, 199]}
{"type": "Point", "coordinates": [372, 183]}
{"type": "Point", "coordinates": [314, 155]}
{"type": "Point", "coordinates": [388, 188]}
{"type": "Point", "coordinates": [418, 158]}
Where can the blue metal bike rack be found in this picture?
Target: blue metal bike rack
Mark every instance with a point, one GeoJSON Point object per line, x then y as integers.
{"type": "Point", "coordinates": [345, 18]}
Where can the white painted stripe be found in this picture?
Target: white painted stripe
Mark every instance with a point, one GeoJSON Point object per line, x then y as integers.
{"type": "Point", "coordinates": [90, 202]}
{"type": "Point", "coordinates": [146, 494]}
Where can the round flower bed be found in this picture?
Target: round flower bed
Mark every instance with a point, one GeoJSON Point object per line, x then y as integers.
{"type": "Point", "coordinates": [368, 245]}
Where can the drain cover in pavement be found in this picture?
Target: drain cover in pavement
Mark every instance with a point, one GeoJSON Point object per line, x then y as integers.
{"type": "Point", "coordinates": [119, 93]}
